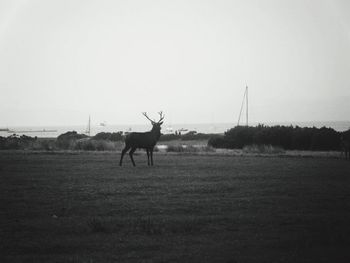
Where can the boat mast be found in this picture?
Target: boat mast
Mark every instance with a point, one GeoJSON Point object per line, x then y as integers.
{"type": "Point", "coordinates": [246, 93]}
{"type": "Point", "coordinates": [245, 98]}
{"type": "Point", "coordinates": [89, 127]}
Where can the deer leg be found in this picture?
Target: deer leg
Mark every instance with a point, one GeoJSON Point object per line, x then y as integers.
{"type": "Point", "coordinates": [151, 150]}
{"type": "Point", "coordinates": [133, 149]}
{"type": "Point", "coordinates": [126, 148]}
{"type": "Point", "coordinates": [147, 156]}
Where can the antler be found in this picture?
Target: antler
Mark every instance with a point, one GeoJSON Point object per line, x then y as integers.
{"type": "Point", "coordinates": [161, 116]}
{"type": "Point", "coordinates": [145, 114]}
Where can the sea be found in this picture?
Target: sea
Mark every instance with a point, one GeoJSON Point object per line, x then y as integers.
{"type": "Point", "coordinates": [214, 128]}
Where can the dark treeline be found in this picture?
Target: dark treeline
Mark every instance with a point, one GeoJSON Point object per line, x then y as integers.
{"type": "Point", "coordinates": [287, 137]}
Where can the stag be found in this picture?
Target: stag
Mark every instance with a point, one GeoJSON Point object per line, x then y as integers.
{"type": "Point", "coordinates": [143, 140]}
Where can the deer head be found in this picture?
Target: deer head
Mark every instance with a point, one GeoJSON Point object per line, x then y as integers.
{"type": "Point", "coordinates": [156, 124]}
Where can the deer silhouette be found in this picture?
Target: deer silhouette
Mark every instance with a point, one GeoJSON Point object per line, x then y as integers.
{"type": "Point", "coordinates": [143, 140]}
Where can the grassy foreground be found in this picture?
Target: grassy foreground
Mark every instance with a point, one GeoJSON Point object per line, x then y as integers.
{"type": "Point", "coordinates": [83, 207]}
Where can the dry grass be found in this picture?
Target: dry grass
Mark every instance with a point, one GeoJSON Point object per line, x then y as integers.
{"type": "Point", "coordinates": [263, 149]}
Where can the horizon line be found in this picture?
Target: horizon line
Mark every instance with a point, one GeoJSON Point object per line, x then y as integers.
{"type": "Point", "coordinates": [184, 123]}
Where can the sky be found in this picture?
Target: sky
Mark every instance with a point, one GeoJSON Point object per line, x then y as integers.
{"type": "Point", "coordinates": [63, 60]}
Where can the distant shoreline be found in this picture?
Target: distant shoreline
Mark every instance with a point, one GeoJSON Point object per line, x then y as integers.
{"type": "Point", "coordinates": [208, 128]}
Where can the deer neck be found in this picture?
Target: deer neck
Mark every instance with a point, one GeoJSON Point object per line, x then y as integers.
{"type": "Point", "coordinates": [156, 133]}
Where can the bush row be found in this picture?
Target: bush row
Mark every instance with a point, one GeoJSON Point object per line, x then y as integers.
{"type": "Point", "coordinates": [74, 141]}
{"type": "Point", "coordinates": [191, 135]}
{"type": "Point", "coordinates": [287, 137]}
{"type": "Point", "coordinates": [68, 141]}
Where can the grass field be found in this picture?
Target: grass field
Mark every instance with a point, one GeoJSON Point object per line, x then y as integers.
{"type": "Point", "coordinates": [83, 207]}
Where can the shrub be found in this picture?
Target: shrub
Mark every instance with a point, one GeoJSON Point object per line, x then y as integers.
{"type": "Point", "coordinates": [15, 142]}
{"type": "Point", "coordinates": [175, 148]}
{"type": "Point", "coordinates": [169, 137]}
{"type": "Point", "coordinates": [93, 145]}
{"type": "Point", "coordinates": [189, 148]}
{"type": "Point", "coordinates": [117, 136]}
{"type": "Point", "coordinates": [181, 148]}
{"type": "Point", "coordinates": [193, 135]}
{"type": "Point", "coordinates": [65, 140]}
{"type": "Point", "coordinates": [114, 136]}
{"type": "Point", "coordinates": [286, 137]}
{"type": "Point", "coordinates": [325, 139]}
{"type": "Point", "coordinates": [264, 149]}
{"type": "Point", "coordinates": [218, 142]}
{"type": "Point", "coordinates": [43, 144]}
{"type": "Point", "coordinates": [2, 143]}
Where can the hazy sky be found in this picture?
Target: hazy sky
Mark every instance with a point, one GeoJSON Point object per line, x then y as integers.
{"type": "Point", "coordinates": [63, 60]}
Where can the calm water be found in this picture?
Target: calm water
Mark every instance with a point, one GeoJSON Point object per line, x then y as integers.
{"type": "Point", "coordinates": [203, 128]}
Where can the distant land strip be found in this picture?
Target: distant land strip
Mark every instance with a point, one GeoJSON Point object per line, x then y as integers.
{"type": "Point", "coordinates": [27, 131]}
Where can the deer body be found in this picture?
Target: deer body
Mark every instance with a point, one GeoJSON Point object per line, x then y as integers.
{"type": "Point", "coordinates": [143, 140]}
